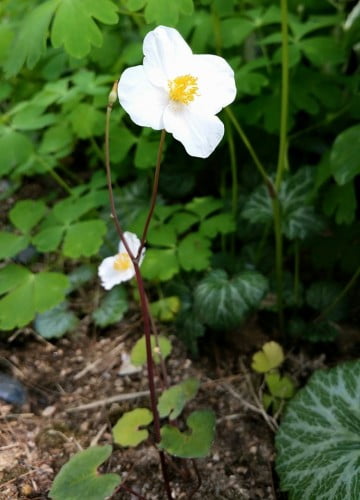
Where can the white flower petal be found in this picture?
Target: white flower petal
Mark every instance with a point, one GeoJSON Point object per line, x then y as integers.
{"type": "Point", "coordinates": [199, 133]}
{"type": "Point", "coordinates": [110, 277]}
{"type": "Point", "coordinates": [216, 83]}
{"type": "Point", "coordinates": [144, 102]}
{"type": "Point", "coordinates": [166, 55]}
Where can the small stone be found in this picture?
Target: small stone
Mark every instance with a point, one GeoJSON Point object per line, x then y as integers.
{"type": "Point", "coordinates": [48, 411]}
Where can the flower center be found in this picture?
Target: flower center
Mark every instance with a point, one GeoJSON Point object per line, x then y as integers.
{"type": "Point", "coordinates": [122, 262]}
{"type": "Point", "coordinates": [183, 88]}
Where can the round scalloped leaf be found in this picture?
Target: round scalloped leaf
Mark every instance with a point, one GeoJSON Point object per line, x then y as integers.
{"type": "Point", "coordinates": [271, 356]}
{"type": "Point", "coordinates": [221, 302]}
{"type": "Point", "coordinates": [55, 322]}
{"type": "Point", "coordinates": [112, 308]}
{"type": "Point", "coordinates": [194, 444]}
{"type": "Point", "coordinates": [138, 353]}
{"type": "Point", "coordinates": [318, 445]}
{"type": "Point", "coordinates": [127, 430]}
{"type": "Point", "coordinates": [78, 479]}
{"type": "Point", "coordinates": [28, 294]}
{"type": "Point", "coordinates": [173, 400]}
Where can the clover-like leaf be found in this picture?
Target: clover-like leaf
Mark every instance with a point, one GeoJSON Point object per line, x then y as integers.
{"type": "Point", "coordinates": [55, 322]}
{"type": "Point", "coordinates": [221, 302]}
{"type": "Point", "coordinates": [78, 479]}
{"type": "Point", "coordinates": [127, 431]}
{"type": "Point", "coordinates": [27, 213]}
{"type": "Point", "coordinates": [160, 264]}
{"type": "Point", "coordinates": [218, 224]}
{"type": "Point", "coordinates": [164, 12]}
{"type": "Point", "coordinates": [345, 155]}
{"type": "Point", "coordinates": [112, 307]}
{"type": "Point", "coordinates": [84, 238]}
{"type": "Point", "coordinates": [165, 309]}
{"type": "Point", "coordinates": [28, 294]}
{"type": "Point", "coordinates": [317, 444]}
{"type": "Point", "coordinates": [11, 244]}
{"type": "Point", "coordinates": [173, 400]}
{"type": "Point", "coordinates": [194, 252]}
{"type": "Point", "coordinates": [280, 387]}
{"type": "Point", "coordinates": [138, 352]}
{"type": "Point", "coordinates": [195, 443]}
{"type": "Point", "coordinates": [15, 148]}
{"type": "Point", "coordinates": [271, 356]}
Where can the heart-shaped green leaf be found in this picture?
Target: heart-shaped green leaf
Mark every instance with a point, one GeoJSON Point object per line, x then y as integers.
{"type": "Point", "coordinates": [138, 353]}
{"type": "Point", "coordinates": [193, 444]}
{"type": "Point", "coordinates": [318, 446]}
{"type": "Point", "coordinates": [127, 430]}
{"type": "Point", "coordinates": [55, 322]}
{"type": "Point", "coordinates": [11, 244]}
{"type": "Point", "coordinates": [280, 387]}
{"type": "Point", "coordinates": [78, 479]}
{"type": "Point", "coordinates": [165, 309]}
{"type": "Point", "coordinates": [173, 400]}
{"type": "Point", "coordinates": [271, 356]}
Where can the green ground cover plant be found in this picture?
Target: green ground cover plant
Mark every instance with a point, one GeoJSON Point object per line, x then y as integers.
{"type": "Point", "coordinates": [266, 224]}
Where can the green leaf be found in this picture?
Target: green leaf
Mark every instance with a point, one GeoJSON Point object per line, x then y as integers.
{"type": "Point", "coordinates": [84, 238]}
{"type": "Point", "coordinates": [27, 213]}
{"type": "Point", "coordinates": [321, 294]}
{"type": "Point", "coordinates": [194, 252]}
{"type": "Point", "coordinates": [74, 26]}
{"type": "Point", "coordinates": [280, 387]}
{"type": "Point", "coordinates": [127, 430]}
{"type": "Point", "coordinates": [78, 479]}
{"type": "Point", "coordinates": [30, 43]}
{"type": "Point", "coordinates": [32, 117]}
{"type": "Point", "coordinates": [86, 120]}
{"type": "Point", "coordinates": [161, 234]}
{"type": "Point", "coordinates": [341, 202]}
{"type": "Point", "coordinates": [56, 138]}
{"type": "Point", "coordinates": [345, 155]}
{"type": "Point", "coordinates": [55, 322]}
{"type": "Point", "coordinates": [112, 307]}
{"type": "Point", "coordinates": [221, 302]}
{"type": "Point", "coordinates": [271, 356]}
{"type": "Point", "coordinates": [160, 264]}
{"type": "Point", "coordinates": [218, 224]}
{"type": "Point", "coordinates": [11, 244]}
{"type": "Point", "coordinates": [167, 13]}
{"type": "Point", "coordinates": [234, 31]}
{"type": "Point", "coordinates": [48, 239]}
{"type": "Point", "coordinates": [258, 208]}
{"type": "Point", "coordinates": [28, 294]}
{"type": "Point", "coordinates": [204, 206]}
{"type": "Point", "coordinates": [15, 148]}
{"type": "Point", "coordinates": [194, 444]}
{"type": "Point", "coordinates": [165, 309]}
{"type": "Point", "coordinates": [317, 444]}
{"type": "Point", "coordinates": [138, 352]}
{"type": "Point", "coordinates": [173, 400]}
{"type": "Point", "coordinates": [182, 221]}
{"type": "Point", "coordinates": [12, 276]}
{"type": "Point", "coordinates": [80, 276]}
{"type": "Point", "coordinates": [322, 50]}
{"type": "Point", "coordinates": [146, 153]}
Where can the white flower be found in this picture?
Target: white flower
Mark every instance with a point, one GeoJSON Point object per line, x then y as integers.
{"type": "Point", "coordinates": [118, 268]}
{"type": "Point", "coordinates": [178, 91]}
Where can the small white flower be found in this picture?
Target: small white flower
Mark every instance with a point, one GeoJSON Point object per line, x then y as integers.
{"type": "Point", "coordinates": [118, 268]}
{"type": "Point", "coordinates": [178, 91]}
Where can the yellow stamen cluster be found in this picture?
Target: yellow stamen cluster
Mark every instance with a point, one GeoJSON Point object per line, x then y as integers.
{"type": "Point", "coordinates": [183, 89]}
{"type": "Point", "coordinates": [122, 262]}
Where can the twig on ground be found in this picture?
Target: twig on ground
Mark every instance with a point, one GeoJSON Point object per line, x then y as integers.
{"type": "Point", "coordinates": [112, 399]}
